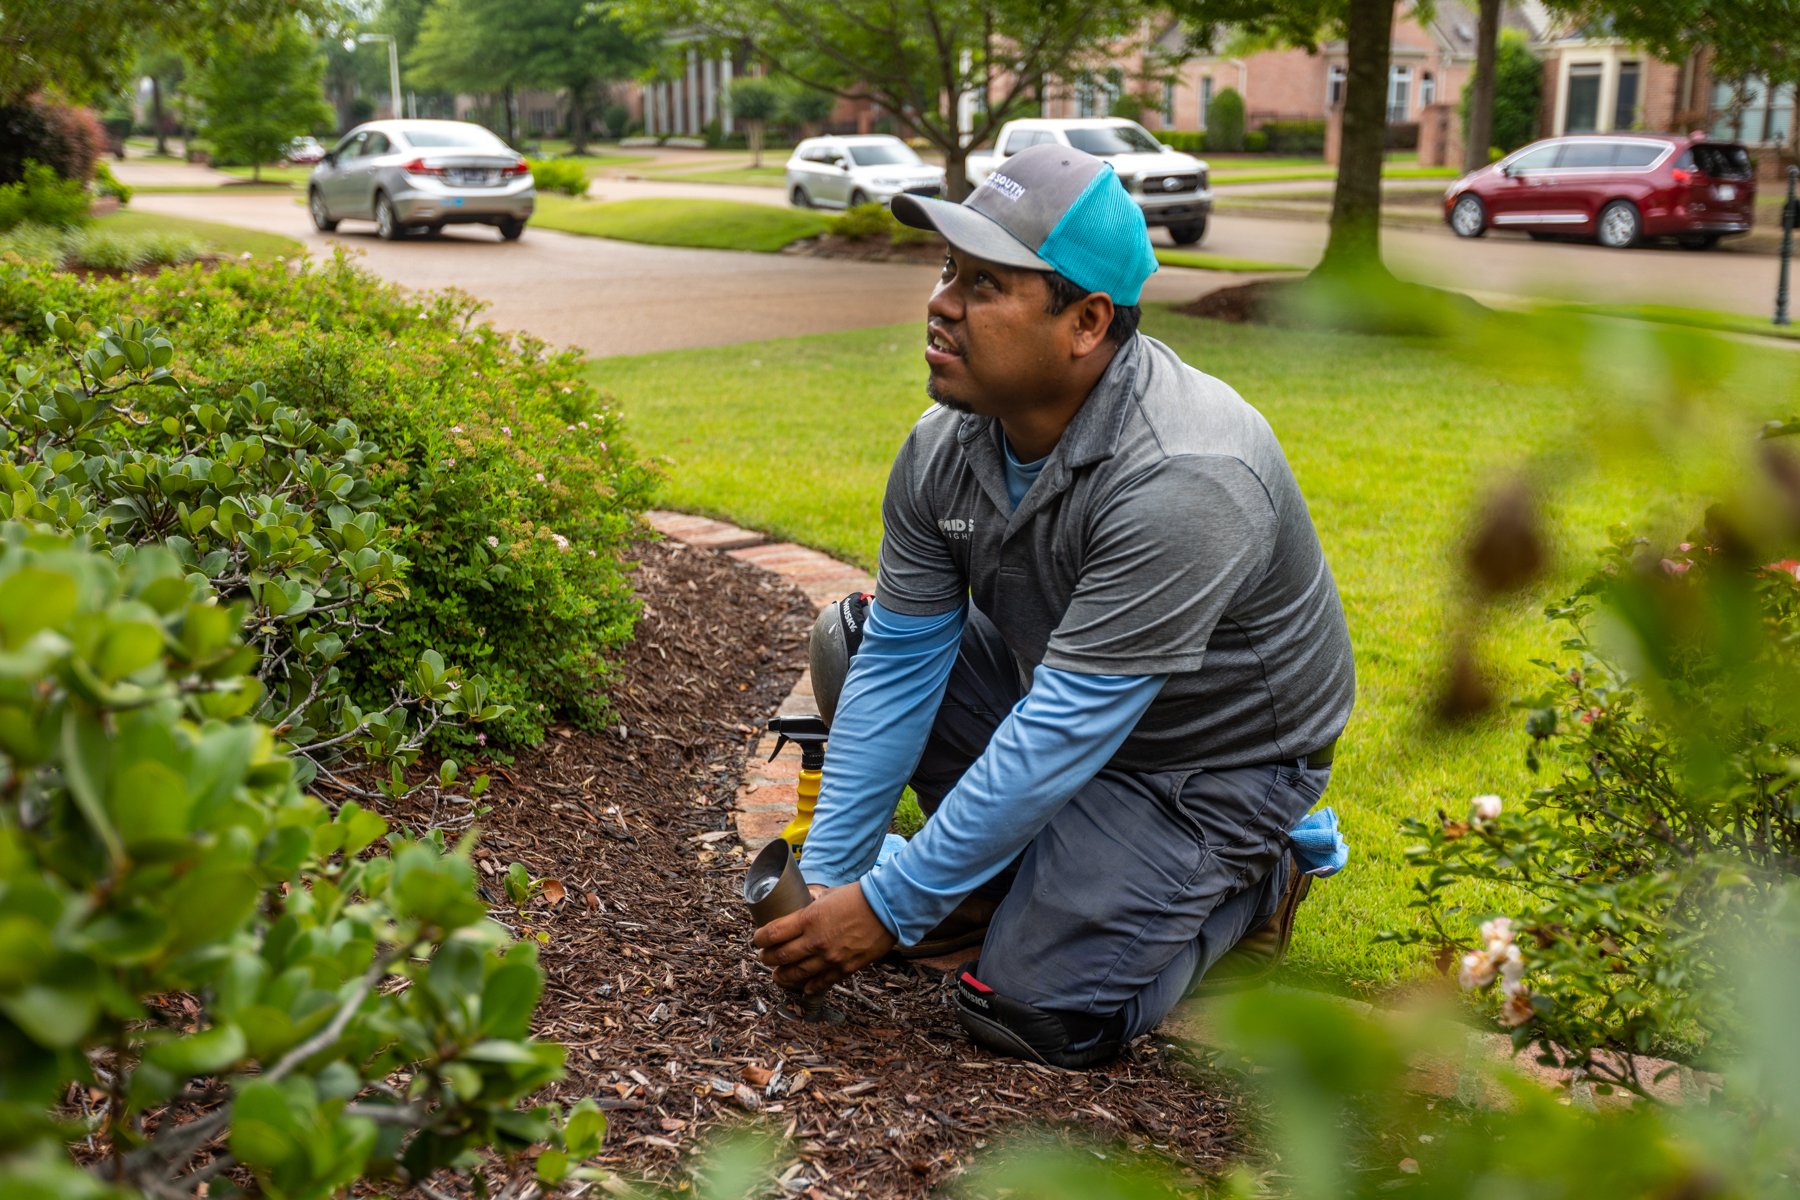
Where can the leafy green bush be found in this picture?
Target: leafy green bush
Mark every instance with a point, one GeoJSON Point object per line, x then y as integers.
{"type": "Point", "coordinates": [1294, 137]}
{"type": "Point", "coordinates": [1518, 92]}
{"type": "Point", "coordinates": [1188, 141]}
{"type": "Point", "coordinates": [1256, 141]}
{"type": "Point", "coordinates": [107, 250]}
{"type": "Point", "coordinates": [557, 175]}
{"type": "Point", "coordinates": [357, 1014]}
{"type": "Point", "coordinates": [1671, 823]}
{"type": "Point", "coordinates": [874, 222]}
{"type": "Point", "coordinates": [44, 198]}
{"type": "Point", "coordinates": [505, 469]}
{"type": "Point", "coordinates": [1225, 121]}
{"type": "Point", "coordinates": [107, 184]}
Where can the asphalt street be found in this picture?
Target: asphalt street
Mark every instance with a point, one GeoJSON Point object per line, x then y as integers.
{"type": "Point", "coordinates": [621, 298]}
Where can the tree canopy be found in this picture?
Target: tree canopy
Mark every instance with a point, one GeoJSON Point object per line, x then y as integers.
{"type": "Point", "coordinates": [84, 48]}
{"type": "Point", "coordinates": [1746, 37]}
{"type": "Point", "coordinates": [260, 92]}
{"type": "Point", "coordinates": [916, 58]}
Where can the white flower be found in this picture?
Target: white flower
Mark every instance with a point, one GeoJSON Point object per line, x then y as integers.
{"type": "Point", "coordinates": [1497, 933]}
{"type": "Point", "coordinates": [1487, 808]}
{"type": "Point", "coordinates": [456, 429]}
{"type": "Point", "coordinates": [591, 554]}
{"type": "Point", "coordinates": [1512, 969]}
{"type": "Point", "coordinates": [583, 424]}
{"type": "Point", "coordinates": [540, 477]}
{"type": "Point", "coordinates": [493, 541]}
{"type": "Point", "coordinates": [562, 543]}
{"type": "Point", "coordinates": [506, 429]}
{"type": "Point", "coordinates": [1516, 1009]}
{"type": "Point", "coordinates": [1476, 971]}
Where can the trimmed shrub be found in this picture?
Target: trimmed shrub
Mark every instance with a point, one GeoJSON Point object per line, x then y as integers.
{"type": "Point", "coordinates": [558, 175]}
{"type": "Point", "coordinates": [113, 250]}
{"type": "Point", "coordinates": [875, 222]}
{"type": "Point", "coordinates": [107, 184]}
{"type": "Point", "coordinates": [43, 197]}
{"type": "Point", "coordinates": [1225, 122]}
{"type": "Point", "coordinates": [1188, 141]}
{"type": "Point", "coordinates": [496, 456]}
{"type": "Point", "coordinates": [1295, 137]}
{"type": "Point", "coordinates": [35, 243]}
{"type": "Point", "coordinates": [67, 140]}
{"type": "Point", "coordinates": [1256, 141]}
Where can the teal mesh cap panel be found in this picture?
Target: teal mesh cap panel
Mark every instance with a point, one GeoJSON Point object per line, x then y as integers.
{"type": "Point", "coordinates": [1102, 243]}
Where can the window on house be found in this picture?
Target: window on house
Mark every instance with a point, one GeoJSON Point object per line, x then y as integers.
{"type": "Point", "coordinates": [1625, 106]}
{"type": "Point", "coordinates": [1581, 113]}
{"type": "Point", "coordinates": [1110, 89]}
{"type": "Point", "coordinates": [1399, 102]}
{"type": "Point", "coordinates": [1334, 85]}
{"type": "Point", "coordinates": [1749, 110]}
{"type": "Point", "coordinates": [1427, 89]}
{"type": "Point", "coordinates": [1206, 97]}
{"type": "Point", "coordinates": [1084, 95]}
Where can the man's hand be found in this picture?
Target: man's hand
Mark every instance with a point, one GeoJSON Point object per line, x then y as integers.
{"type": "Point", "coordinates": [832, 938]}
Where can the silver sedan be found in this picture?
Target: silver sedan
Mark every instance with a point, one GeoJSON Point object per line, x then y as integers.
{"type": "Point", "coordinates": [412, 175]}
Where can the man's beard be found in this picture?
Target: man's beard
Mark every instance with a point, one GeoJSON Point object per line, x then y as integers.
{"type": "Point", "coordinates": [943, 397]}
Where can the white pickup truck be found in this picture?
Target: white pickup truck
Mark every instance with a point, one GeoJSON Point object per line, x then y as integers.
{"type": "Point", "coordinates": [1172, 188]}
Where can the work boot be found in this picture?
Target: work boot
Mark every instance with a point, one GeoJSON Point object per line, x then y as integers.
{"type": "Point", "coordinates": [966, 926]}
{"type": "Point", "coordinates": [1260, 952]}
{"type": "Point", "coordinates": [1020, 1030]}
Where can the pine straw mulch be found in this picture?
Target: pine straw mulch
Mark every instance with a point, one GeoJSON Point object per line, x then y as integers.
{"type": "Point", "coordinates": [671, 1023]}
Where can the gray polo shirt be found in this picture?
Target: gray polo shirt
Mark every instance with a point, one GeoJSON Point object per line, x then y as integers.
{"type": "Point", "coordinates": [1165, 536]}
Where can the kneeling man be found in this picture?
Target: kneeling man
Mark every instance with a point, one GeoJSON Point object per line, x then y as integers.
{"type": "Point", "coordinates": [1104, 649]}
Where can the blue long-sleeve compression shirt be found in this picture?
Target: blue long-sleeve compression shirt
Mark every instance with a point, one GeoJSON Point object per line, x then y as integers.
{"type": "Point", "coordinates": [1029, 769]}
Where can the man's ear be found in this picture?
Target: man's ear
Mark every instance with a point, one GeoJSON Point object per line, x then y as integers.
{"type": "Point", "coordinates": [1093, 316]}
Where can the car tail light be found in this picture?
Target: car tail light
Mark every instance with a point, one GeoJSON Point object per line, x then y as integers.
{"type": "Point", "coordinates": [419, 166]}
{"type": "Point", "coordinates": [1681, 176]}
{"type": "Point", "coordinates": [519, 168]}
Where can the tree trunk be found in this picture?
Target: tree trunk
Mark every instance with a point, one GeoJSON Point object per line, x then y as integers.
{"type": "Point", "coordinates": [1479, 134]}
{"type": "Point", "coordinates": [506, 102]}
{"type": "Point", "coordinates": [956, 169]}
{"type": "Point", "coordinates": [1355, 242]}
{"type": "Point", "coordinates": [756, 140]}
{"type": "Point", "coordinates": [156, 117]}
{"type": "Point", "coordinates": [578, 121]}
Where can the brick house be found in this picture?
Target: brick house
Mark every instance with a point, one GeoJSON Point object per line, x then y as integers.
{"type": "Point", "coordinates": [1595, 83]}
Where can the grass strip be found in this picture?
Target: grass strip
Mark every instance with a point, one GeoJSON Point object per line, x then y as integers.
{"type": "Point", "coordinates": [1393, 440]}
{"type": "Point", "coordinates": [708, 224]}
{"type": "Point", "coordinates": [740, 176]}
{"type": "Point", "coordinates": [1690, 318]}
{"type": "Point", "coordinates": [1199, 260]}
{"type": "Point", "coordinates": [222, 239]}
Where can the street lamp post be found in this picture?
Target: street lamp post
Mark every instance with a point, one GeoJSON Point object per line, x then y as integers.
{"type": "Point", "coordinates": [393, 67]}
{"type": "Point", "coordinates": [1790, 219]}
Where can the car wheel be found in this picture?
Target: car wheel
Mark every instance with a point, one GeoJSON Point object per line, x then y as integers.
{"type": "Point", "coordinates": [1698, 241]}
{"type": "Point", "coordinates": [1187, 235]}
{"type": "Point", "coordinates": [1620, 225]}
{"type": "Point", "coordinates": [512, 230]}
{"type": "Point", "coordinates": [321, 216]}
{"type": "Point", "coordinates": [387, 221]}
{"type": "Point", "coordinates": [1468, 216]}
{"type": "Point", "coordinates": [800, 198]}
{"type": "Point", "coordinates": [858, 198]}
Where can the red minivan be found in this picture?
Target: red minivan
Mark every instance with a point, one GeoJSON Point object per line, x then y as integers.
{"type": "Point", "coordinates": [1619, 188]}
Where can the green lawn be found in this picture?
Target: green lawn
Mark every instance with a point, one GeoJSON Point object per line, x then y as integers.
{"type": "Point", "coordinates": [764, 176]}
{"type": "Point", "coordinates": [224, 239]}
{"type": "Point", "coordinates": [1392, 439]}
{"type": "Point", "coordinates": [1199, 260]}
{"type": "Point", "coordinates": [1695, 318]}
{"type": "Point", "coordinates": [273, 174]}
{"type": "Point", "coordinates": [714, 224]}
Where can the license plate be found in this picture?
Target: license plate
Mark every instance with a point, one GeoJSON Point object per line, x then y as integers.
{"type": "Point", "coordinates": [472, 177]}
{"type": "Point", "coordinates": [1726, 191]}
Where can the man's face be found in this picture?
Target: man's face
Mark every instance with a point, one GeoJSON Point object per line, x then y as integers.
{"type": "Point", "coordinates": [991, 346]}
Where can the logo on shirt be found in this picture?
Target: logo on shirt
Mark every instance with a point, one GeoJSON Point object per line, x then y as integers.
{"type": "Point", "coordinates": [957, 528]}
{"type": "Point", "coordinates": [1006, 185]}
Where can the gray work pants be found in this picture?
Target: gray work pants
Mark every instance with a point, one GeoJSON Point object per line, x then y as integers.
{"type": "Point", "coordinates": [1139, 884]}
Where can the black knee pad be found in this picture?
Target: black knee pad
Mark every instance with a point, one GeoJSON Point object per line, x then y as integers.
{"type": "Point", "coordinates": [1020, 1030]}
{"type": "Point", "coordinates": [835, 637]}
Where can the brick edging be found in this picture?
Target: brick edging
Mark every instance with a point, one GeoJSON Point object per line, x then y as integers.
{"type": "Point", "coordinates": [766, 796]}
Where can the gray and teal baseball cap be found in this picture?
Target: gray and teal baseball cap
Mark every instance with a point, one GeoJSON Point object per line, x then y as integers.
{"type": "Point", "coordinates": [1049, 208]}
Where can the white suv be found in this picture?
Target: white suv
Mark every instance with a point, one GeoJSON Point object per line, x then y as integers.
{"type": "Point", "coordinates": [843, 172]}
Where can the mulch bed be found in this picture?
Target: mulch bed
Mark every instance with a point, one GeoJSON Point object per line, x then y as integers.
{"type": "Point", "coordinates": [672, 1024]}
{"type": "Point", "coordinates": [831, 245]}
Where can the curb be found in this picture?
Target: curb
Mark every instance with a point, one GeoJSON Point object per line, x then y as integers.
{"type": "Point", "coordinates": [766, 800]}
